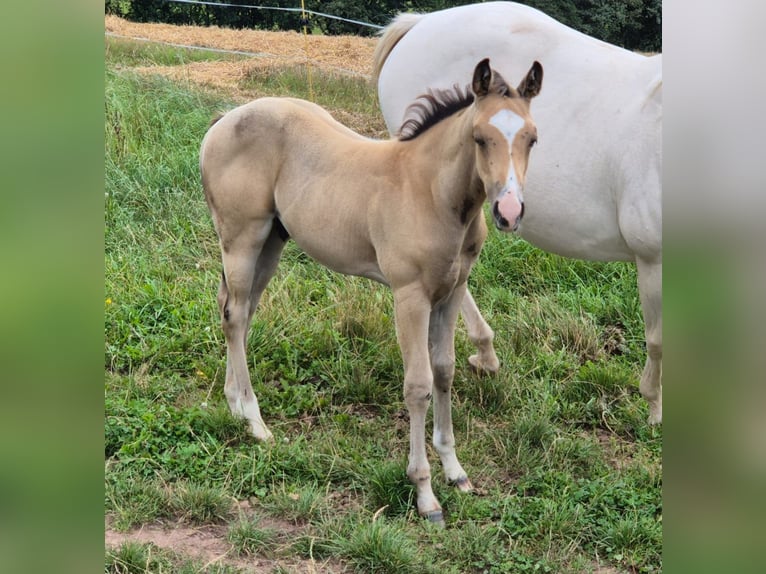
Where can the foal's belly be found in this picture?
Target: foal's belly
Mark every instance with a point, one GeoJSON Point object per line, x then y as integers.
{"type": "Point", "coordinates": [331, 232]}
{"type": "Point", "coordinates": [349, 258]}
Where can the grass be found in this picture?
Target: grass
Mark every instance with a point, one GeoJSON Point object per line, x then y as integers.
{"type": "Point", "coordinates": [248, 538]}
{"type": "Point", "coordinates": [568, 473]}
{"type": "Point", "coordinates": [136, 558]}
{"type": "Point", "coordinates": [331, 90]}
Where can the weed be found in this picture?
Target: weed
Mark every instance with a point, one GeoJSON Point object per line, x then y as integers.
{"type": "Point", "coordinates": [135, 500]}
{"type": "Point", "coordinates": [249, 538]}
{"type": "Point", "coordinates": [389, 488]}
{"type": "Point", "coordinates": [301, 504]}
{"type": "Point", "coordinates": [136, 558]}
{"type": "Point", "coordinates": [380, 547]}
{"type": "Point", "coordinates": [200, 503]}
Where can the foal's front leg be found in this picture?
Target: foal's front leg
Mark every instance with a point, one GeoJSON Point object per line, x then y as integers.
{"type": "Point", "coordinates": [412, 310]}
{"type": "Point", "coordinates": [442, 345]}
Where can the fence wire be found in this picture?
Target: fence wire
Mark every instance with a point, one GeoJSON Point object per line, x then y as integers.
{"type": "Point", "coordinates": [280, 9]}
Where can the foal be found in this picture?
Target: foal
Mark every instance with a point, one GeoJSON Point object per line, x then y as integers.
{"type": "Point", "coordinates": [405, 212]}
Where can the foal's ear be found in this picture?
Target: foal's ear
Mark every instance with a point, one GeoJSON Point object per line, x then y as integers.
{"type": "Point", "coordinates": [531, 84]}
{"type": "Point", "coordinates": [482, 78]}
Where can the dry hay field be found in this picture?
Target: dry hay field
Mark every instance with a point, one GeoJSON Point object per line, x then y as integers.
{"type": "Point", "coordinates": [344, 54]}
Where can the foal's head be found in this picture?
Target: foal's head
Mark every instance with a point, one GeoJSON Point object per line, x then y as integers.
{"type": "Point", "coordinates": [504, 134]}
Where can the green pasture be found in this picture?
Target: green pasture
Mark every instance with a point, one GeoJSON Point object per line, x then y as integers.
{"type": "Point", "coordinates": [568, 473]}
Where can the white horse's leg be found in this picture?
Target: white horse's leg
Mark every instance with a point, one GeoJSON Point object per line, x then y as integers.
{"type": "Point", "coordinates": [412, 310]}
{"type": "Point", "coordinates": [650, 292]}
{"type": "Point", "coordinates": [481, 335]}
{"type": "Point", "coordinates": [442, 344]}
{"type": "Point", "coordinates": [237, 298]}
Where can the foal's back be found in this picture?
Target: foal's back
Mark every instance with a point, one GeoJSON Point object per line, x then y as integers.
{"type": "Point", "coordinates": [289, 160]}
{"type": "Point", "coordinates": [268, 126]}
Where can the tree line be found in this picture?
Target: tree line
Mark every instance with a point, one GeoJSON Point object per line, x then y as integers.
{"type": "Point", "coordinates": [632, 24]}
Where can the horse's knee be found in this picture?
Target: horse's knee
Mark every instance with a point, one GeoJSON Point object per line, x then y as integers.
{"type": "Point", "coordinates": [444, 373]}
{"type": "Point", "coordinates": [418, 398]}
{"type": "Point", "coordinates": [417, 393]}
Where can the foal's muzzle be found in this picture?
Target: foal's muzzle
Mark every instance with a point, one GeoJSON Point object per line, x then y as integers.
{"type": "Point", "coordinates": [502, 222]}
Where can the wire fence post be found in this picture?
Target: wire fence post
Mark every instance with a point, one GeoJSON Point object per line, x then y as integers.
{"type": "Point", "coordinates": [305, 24]}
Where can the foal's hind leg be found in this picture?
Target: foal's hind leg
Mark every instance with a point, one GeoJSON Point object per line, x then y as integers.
{"type": "Point", "coordinates": [441, 336]}
{"type": "Point", "coordinates": [249, 262]}
{"type": "Point", "coordinates": [481, 335]}
{"type": "Point", "coordinates": [650, 292]}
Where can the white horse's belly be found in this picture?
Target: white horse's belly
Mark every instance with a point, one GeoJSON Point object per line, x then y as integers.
{"type": "Point", "coordinates": [569, 206]}
{"type": "Point", "coordinates": [593, 236]}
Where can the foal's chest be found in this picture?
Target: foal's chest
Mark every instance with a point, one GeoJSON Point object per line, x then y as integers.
{"type": "Point", "coordinates": [453, 269]}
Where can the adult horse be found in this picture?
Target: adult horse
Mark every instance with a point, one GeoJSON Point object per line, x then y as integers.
{"type": "Point", "coordinates": [594, 188]}
{"type": "Point", "coordinates": [405, 212]}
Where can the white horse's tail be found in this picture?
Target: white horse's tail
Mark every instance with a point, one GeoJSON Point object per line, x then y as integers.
{"type": "Point", "coordinates": [389, 36]}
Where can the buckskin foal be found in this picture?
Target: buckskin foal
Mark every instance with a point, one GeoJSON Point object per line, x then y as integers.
{"type": "Point", "coordinates": [406, 212]}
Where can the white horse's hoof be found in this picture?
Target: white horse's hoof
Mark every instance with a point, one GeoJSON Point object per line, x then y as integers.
{"type": "Point", "coordinates": [655, 410]}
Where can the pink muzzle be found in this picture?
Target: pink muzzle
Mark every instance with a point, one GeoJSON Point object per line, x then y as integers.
{"type": "Point", "coordinates": [507, 211]}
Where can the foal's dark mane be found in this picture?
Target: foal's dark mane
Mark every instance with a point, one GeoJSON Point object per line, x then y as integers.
{"type": "Point", "coordinates": [431, 108]}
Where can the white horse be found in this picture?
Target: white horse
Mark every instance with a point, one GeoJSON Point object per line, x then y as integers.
{"type": "Point", "coordinates": [594, 188]}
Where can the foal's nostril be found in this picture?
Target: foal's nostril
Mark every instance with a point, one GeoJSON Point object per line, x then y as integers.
{"type": "Point", "coordinates": [518, 219]}
{"type": "Point", "coordinates": [499, 219]}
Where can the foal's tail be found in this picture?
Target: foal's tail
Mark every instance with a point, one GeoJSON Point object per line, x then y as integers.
{"type": "Point", "coordinates": [389, 37]}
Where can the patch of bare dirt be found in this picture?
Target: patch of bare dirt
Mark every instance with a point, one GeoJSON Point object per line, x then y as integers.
{"type": "Point", "coordinates": [207, 544]}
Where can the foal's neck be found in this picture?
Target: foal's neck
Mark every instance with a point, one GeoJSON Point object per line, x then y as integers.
{"type": "Point", "coordinates": [456, 184]}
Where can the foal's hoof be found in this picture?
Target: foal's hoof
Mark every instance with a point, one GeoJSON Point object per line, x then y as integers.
{"type": "Point", "coordinates": [483, 367]}
{"type": "Point", "coordinates": [463, 484]}
{"type": "Point", "coordinates": [435, 517]}
{"type": "Point", "coordinates": [261, 433]}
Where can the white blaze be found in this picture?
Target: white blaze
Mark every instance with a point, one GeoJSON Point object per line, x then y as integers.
{"type": "Point", "coordinates": [509, 124]}
{"type": "Point", "coordinates": [509, 200]}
